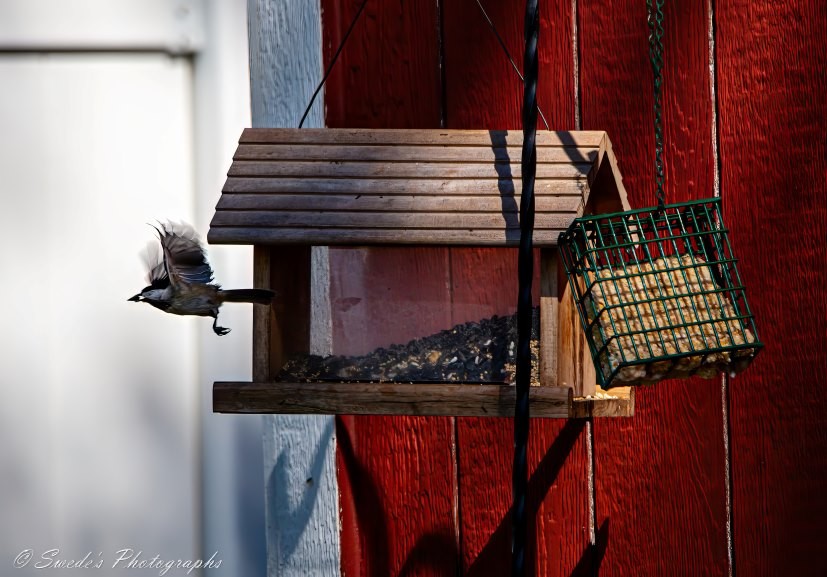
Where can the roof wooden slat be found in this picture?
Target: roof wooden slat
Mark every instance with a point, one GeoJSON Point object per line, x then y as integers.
{"type": "Point", "coordinates": [409, 154]}
{"type": "Point", "coordinates": [408, 137]}
{"type": "Point", "coordinates": [406, 170]}
{"type": "Point", "coordinates": [419, 187]}
{"type": "Point", "coordinates": [397, 220]}
{"type": "Point", "coordinates": [396, 203]}
{"type": "Point", "coordinates": [403, 236]}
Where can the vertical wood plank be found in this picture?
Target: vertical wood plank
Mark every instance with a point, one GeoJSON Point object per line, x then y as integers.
{"type": "Point", "coordinates": [772, 90]}
{"type": "Point", "coordinates": [549, 313]}
{"type": "Point", "coordinates": [301, 495]}
{"type": "Point", "coordinates": [263, 317]}
{"type": "Point", "coordinates": [396, 474]}
{"type": "Point", "coordinates": [659, 478]}
{"type": "Point", "coordinates": [482, 91]}
{"type": "Point", "coordinates": [575, 367]}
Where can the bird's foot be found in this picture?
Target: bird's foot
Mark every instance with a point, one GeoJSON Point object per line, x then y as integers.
{"type": "Point", "coordinates": [220, 331]}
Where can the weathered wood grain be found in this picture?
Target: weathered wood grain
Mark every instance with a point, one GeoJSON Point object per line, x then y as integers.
{"type": "Point", "coordinates": [482, 91]}
{"type": "Point", "coordinates": [301, 182]}
{"type": "Point", "coordinates": [549, 312]}
{"type": "Point", "coordinates": [397, 203]}
{"type": "Point", "coordinates": [422, 136]}
{"type": "Point", "coordinates": [575, 367]}
{"type": "Point", "coordinates": [376, 175]}
{"type": "Point", "coordinates": [401, 151]}
{"type": "Point", "coordinates": [509, 236]}
{"type": "Point", "coordinates": [621, 404]}
{"type": "Point", "coordinates": [431, 399]}
{"type": "Point", "coordinates": [505, 186]}
{"type": "Point", "coordinates": [363, 220]}
{"type": "Point", "coordinates": [262, 316]}
{"type": "Point", "coordinates": [397, 475]}
{"type": "Point", "coordinates": [772, 89]}
{"type": "Point", "coordinates": [408, 170]}
{"type": "Point", "coordinates": [659, 478]}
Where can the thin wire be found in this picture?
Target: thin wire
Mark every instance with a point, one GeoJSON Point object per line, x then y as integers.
{"type": "Point", "coordinates": [332, 63]}
{"type": "Point", "coordinates": [508, 55]}
{"type": "Point", "coordinates": [525, 274]}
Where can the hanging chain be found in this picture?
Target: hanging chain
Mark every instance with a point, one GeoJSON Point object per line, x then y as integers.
{"type": "Point", "coordinates": [655, 20]}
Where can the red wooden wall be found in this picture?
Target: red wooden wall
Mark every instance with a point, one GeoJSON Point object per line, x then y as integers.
{"type": "Point", "coordinates": [426, 496]}
{"type": "Point", "coordinates": [772, 81]}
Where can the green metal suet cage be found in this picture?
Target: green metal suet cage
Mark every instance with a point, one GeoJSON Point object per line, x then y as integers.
{"type": "Point", "coordinates": [659, 294]}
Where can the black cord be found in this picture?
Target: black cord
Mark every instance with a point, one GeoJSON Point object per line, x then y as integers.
{"type": "Point", "coordinates": [332, 63]}
{"type": "Point", "coordinates": [525, 273]}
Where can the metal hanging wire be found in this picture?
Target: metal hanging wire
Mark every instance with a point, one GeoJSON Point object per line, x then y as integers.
{"type": "Point", "coordinates": [508, 55]}
{"type": "Point", "coordinates": [655, 21]}
{"type": "Point", "coordinates": [332, 62]}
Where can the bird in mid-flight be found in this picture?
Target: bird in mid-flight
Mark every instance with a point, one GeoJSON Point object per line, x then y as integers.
{"type": "Point", "coordinates": [180, 279]}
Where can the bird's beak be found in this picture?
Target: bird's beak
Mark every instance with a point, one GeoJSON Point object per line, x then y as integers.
{"type": "Point", "coordinates": [136, 298]}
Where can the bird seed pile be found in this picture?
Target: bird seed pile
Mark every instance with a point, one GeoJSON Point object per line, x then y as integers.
{"type": "Point", "coordinates": [674, 284]}
{"type": "Point", "coordinates": [473, 352]}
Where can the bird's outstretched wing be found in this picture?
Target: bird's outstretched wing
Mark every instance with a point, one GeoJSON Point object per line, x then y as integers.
{"type": "Point", "coordinates": [184, 258]}
{"type": "Point", "coordinates": [156, 275]}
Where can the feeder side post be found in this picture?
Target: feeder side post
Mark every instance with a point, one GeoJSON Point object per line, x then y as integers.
{"type": "Point", "coordinates": [549, 305]}
{"type": "Point", "coordinates": [575, 368]}
{"type": "Point", "coordinates": [263, 316]}
{"type": "Point", "coordinates": [282, 329]}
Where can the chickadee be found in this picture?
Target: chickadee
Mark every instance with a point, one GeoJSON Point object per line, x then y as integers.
{"type": "Point", "coordinates": [181, 281]}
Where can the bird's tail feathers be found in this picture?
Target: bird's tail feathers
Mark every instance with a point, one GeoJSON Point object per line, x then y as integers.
{"type": "Point", "coordinates": [255, 296]}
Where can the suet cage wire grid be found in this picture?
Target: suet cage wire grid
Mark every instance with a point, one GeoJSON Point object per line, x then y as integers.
{"type": "Point", "coordinates": [659, 294]}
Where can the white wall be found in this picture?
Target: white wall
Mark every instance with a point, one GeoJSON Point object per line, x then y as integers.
{"type": "Point", "coordinates": [101, 442]}
{"type": "Point", "coordinates": [99, 433]}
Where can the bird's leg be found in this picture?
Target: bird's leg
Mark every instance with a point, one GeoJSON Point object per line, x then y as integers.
{"type": "Point", "coordinates": [220, 331]}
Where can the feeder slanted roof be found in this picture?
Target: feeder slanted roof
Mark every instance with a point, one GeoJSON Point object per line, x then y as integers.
{"type": "Point", "coordinates": [445, 187]}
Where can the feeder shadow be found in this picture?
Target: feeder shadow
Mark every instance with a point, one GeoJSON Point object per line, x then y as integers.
{"type": "Point", "coordinates": [495, 557]}
{"type": "Point", "coordinates": [505, 184]}
{"type": "Point", "coordinates": [592, 558]}
{"type": "Point", "coordinates": [437, 552]}
{"type": "Point", "coordinates": [367, 502]}
{"type": "Point", "coordinates": [295, 518]}
{"type": "Point", "coordinates": [431, 551]}
{"type": "Point", "coordinates": [604, 195]}
{"type": "Point", "coordinates": [250, 523]}
{"type": "Point", "coordinates": [606, 201]}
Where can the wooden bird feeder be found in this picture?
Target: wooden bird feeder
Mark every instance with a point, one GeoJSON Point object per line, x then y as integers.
{"type": "Point", "coordinates": [291, 189]}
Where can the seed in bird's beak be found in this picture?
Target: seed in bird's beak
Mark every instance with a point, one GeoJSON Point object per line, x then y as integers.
{"type": "Point", "coordinates": [136, 298]}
